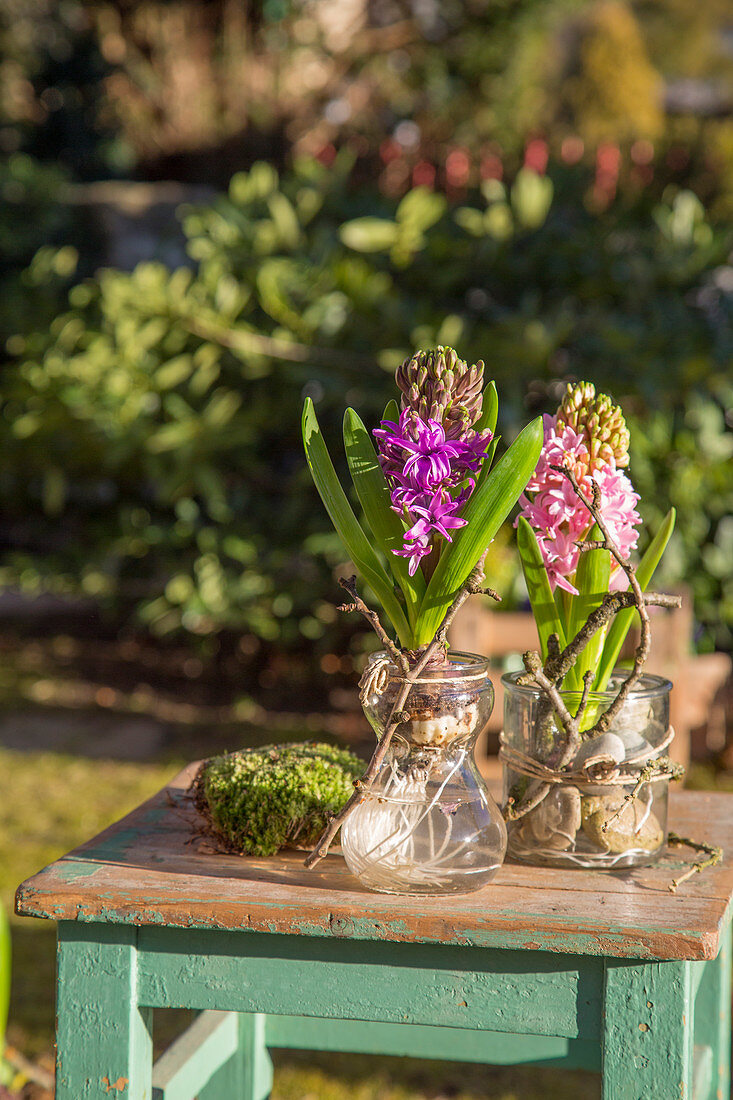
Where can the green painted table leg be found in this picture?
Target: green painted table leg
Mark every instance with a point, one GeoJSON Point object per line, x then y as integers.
{"type": "Point", "coordinates": [712, 1021]}
{"type": "Point", "coordinates": [104, 1046]}
{"type": "Point", "coordinates": [248, 1074]}
{"type": "Point", "coordinates": [256, 1060]}
{"type": "Point", "coordinates": [647, 1040]}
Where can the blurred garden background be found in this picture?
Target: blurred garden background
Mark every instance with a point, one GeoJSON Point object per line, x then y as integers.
{"type": "Point", "coordinates": [210, 209]}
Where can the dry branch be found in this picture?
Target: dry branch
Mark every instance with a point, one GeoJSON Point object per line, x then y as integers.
{"type": "Point", "coordinates": [713, 853]}
{"type": "Point", "coordinates": [349, 584]}
{"type": "Point", "coordinates": [558, 664]}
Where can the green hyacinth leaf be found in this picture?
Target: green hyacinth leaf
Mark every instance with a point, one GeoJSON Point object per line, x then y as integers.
{"type": "Point", "coordinates": [592, 578]}
{"type": "Point", "coordinates": [541, 598]}
{"type": "Point", "coordinates": [561, 599]}
{"type": "Point", "coordinates": [621, 624]}
{"type": "Point", "coordinates": [355, 541]}
{"type": "Point", "coordinates": [373, 493]}
{"type": "Point", "coordinates": [391, 411]}
{"type": "Point", "coordinates": [485, 512]}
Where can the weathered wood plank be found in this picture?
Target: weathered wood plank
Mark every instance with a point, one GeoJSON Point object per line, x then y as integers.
{"type": "Point", "coordinates": [712, 1022]}
{"type": "Point", "coordinates": [647, 1043]}
{"type": "Point", "coordinates": [189, 1063]}
{"type": "Point", "coordinates": [156, 867]}
{"type": "Point", "coordinates": [427, 984]}
{"type": "Point", "coordinates": [255, 1062]}
{"type": "Point", "coordinates": [415, 1041]}
{"type": "Point", "coordinates": [103, 1039]}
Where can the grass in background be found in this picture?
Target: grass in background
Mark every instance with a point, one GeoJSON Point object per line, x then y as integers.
{"type": "Point", "coordinates": [50, 804]}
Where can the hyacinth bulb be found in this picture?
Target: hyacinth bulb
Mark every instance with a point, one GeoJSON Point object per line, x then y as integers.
{"type": "Point", "coordinates": [598, 422]}
{"type": "Point", "coordinates": [438, 385]}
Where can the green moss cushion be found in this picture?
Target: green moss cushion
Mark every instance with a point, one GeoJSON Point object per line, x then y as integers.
{"type": "Point", "coordinates": [258, 801]}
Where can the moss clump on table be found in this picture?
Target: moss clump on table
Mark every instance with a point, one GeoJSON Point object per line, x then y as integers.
{"type": "Point", "coordinates": [258, 801]}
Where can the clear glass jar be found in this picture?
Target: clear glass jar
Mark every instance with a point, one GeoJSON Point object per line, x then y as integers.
{"type": "Point", "coordinates": [428, 824]}
{"type": "Point", "coordinates": [578, 824]}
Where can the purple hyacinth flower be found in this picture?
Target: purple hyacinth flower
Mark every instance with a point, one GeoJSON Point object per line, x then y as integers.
{"type": "Point", "coordinates": [431, 456]}
{"type": "Point", "coordinates": [424, 469]}
{"type": "Point", "coordinates": [414, 551]}
{"type": "Point", "coordinates": [435, 513]}
{"type": "Point", "coordinates": [417, 452]}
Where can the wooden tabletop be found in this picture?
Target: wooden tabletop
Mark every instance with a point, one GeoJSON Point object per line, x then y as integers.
{"type": "Point", "coordinates": [155, 866]}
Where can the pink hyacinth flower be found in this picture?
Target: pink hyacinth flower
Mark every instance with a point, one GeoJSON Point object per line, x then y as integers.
{"type": "Point", "coordinates": [560, 519]}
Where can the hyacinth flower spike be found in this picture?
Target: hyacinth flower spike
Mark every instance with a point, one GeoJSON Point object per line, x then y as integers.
{"type": "Point", "coordinates": [431, 497]}
{"type": "Point", "coordinates": [588, 436]}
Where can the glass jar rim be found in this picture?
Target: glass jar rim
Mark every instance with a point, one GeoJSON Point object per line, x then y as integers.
{"type": "Point", "coordinates": [649, 686]}
{"type": "Point", "coordinates": [463, 666]}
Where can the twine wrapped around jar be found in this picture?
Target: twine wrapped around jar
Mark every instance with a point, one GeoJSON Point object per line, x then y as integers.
{"type": "Point", "coordinates": [596, 771]}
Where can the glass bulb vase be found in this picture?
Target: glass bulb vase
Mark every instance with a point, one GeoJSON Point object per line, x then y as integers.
{"type": "Point", "coordinates": [428, 824]}
{"type": "Point", "coordinates": [587, 820]}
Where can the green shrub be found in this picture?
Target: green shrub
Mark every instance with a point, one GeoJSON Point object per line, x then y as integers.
{"type": "Point", "coordinates": [258, 801]}
{"type": "Point", "coordinates": [35, 264]}
{"type": "Point", "coordinates": [150, 436]}
{"type": "Point", "coordinates": [683, 457]}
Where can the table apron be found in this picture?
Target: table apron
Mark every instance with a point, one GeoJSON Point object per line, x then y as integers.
{"type": "Point", "coordinates": [537, 993]}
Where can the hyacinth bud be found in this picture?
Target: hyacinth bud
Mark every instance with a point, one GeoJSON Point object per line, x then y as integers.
{"type": "Point", "coordinates": [437, 385]}
{"type": "Point", "coordinates": [598, 421]}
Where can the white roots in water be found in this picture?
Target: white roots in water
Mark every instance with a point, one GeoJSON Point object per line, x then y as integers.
{"type": "Point", "coordinates": [589, 861]}
{"type": "Point", "coordinates": [407, 836]}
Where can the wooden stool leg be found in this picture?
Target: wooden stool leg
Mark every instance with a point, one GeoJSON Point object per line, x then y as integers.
{"type": "Point", "coordinates": [248, 1074]}
{"type": "Point", "coordinates": [647, 1030]}
{"type": "Point", "coordinates": [104, 1044]}
{"type": "Point", "coordinates": [712, 1025]}
{"type": "Point", "coordinates": [256, 1059]}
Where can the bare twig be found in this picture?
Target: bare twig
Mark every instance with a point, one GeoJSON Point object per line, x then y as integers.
{"type": "Point", "coordinates": [587, 684]}
{"type": "Point", "coordinates": [362, 786]}
{"type": "Point", "coordinates": [661, 766]}
{"type": "Point", "coordinates": [349, 585]}
{"type": "Point", "coordinates": [533, 665]}
{"type": "Point", "coordinates": [557, 665]}
{"type": "Point", "coordinates": [713, 852]}
{"type": "Point", "coordinates": [536, 792]}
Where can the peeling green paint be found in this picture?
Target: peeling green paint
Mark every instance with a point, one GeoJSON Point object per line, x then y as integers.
{"type": "Point", "coordinates": [599, 943]}
{"type": "Point", "coordinates": [635, 1018]}
{"type": "Point", "coordinates": [71, 870]}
